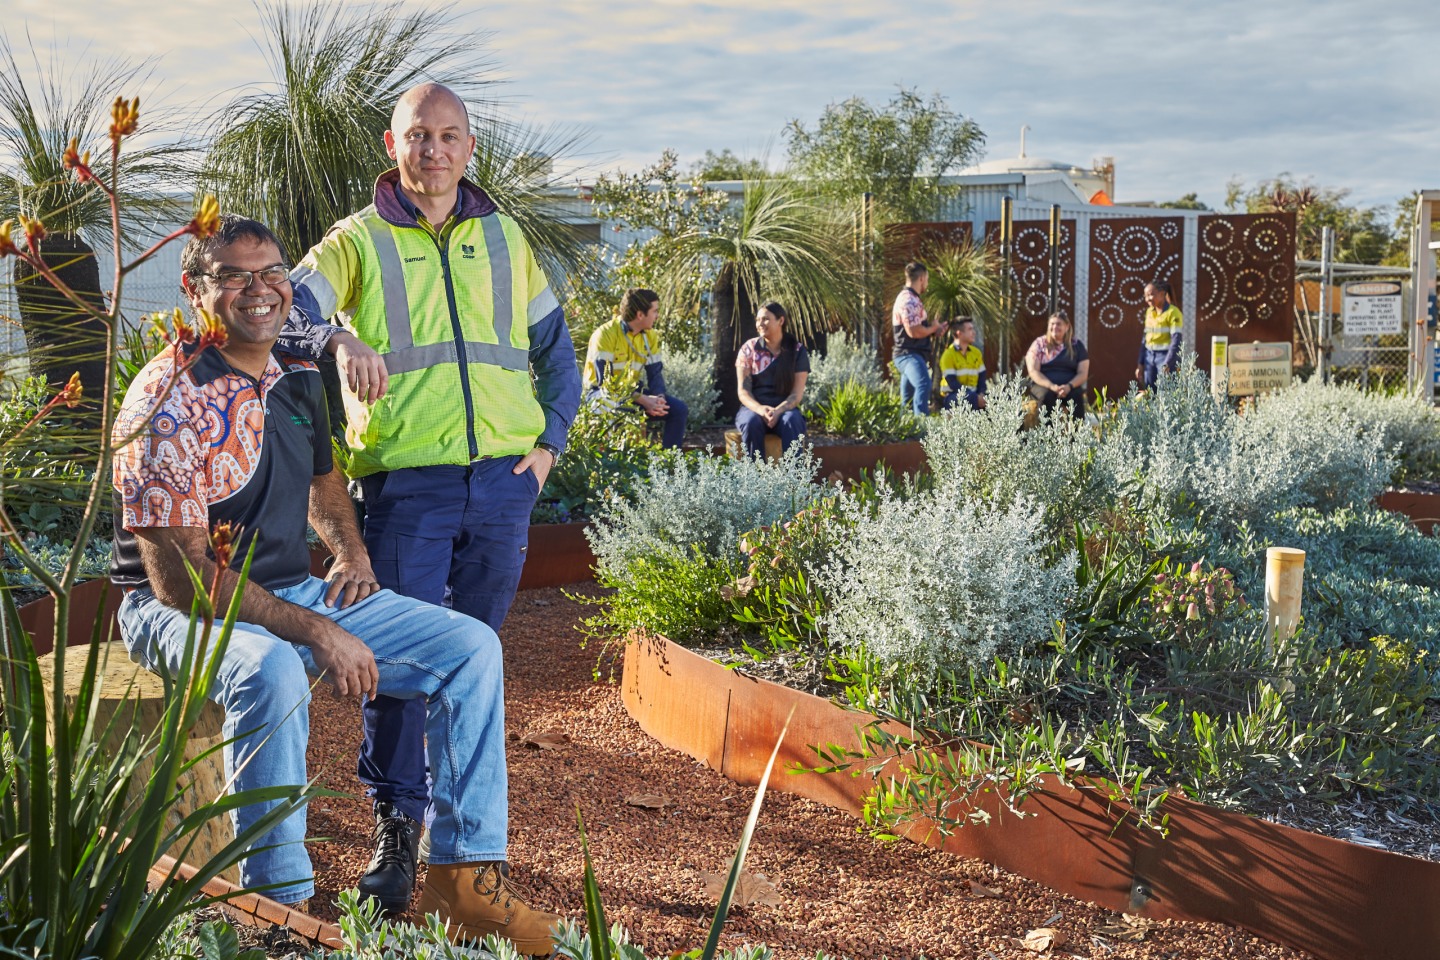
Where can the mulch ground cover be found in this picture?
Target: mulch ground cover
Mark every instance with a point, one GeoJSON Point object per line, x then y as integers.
{"type": "Point", "coordinates": [659, 823]}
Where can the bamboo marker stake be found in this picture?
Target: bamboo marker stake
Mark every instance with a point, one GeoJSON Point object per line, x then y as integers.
{"type": "Point", "coordinates": [1284, 580]}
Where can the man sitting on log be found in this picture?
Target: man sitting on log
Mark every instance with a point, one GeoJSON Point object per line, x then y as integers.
{"type": "Point", "coordinates": [236, 438]}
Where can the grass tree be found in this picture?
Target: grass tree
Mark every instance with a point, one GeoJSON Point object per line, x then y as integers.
{"type": "Point", "coordinates": [305, 153]}
{"type": "Point", "coordinates": [784, 244]}
{"type": "Point", "coordinates": [965, 282]}
{"type": "Point", "coordinates": [39, 118]}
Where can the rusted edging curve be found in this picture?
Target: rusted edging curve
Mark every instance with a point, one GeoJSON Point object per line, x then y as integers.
{"type": "Point", "coordinates": [1336, 900]}
{"type": "Point", "coordinates": [252, 908]}
{"type": "Point", "coordinates": [1423, 509]}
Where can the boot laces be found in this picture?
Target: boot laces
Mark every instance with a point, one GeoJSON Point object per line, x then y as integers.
{"type": "Point", "coordinates": [493, 881]}
{"type": "Point", "coordinates": [393, 844]}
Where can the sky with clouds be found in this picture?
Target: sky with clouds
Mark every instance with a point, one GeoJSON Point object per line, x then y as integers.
{"type": "Point", "coordinates": [1185, 96]}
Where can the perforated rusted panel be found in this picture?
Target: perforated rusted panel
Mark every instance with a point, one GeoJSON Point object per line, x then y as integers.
{"type": "Point", "coordinates": [1125, 255]}
{"type": "Point", "coordinates": [1030, 280]}
{"type": "Point", "coordinates": [1246, 279]}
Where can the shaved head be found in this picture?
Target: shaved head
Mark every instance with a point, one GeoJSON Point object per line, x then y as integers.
{"type": "Point", "coordinates": [421, 98]}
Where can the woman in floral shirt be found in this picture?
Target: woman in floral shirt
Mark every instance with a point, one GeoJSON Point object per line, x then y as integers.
{"type": "Point", "coordinates": [1058, 366]}
{"type": "Point", "coordinates": [771, 369]}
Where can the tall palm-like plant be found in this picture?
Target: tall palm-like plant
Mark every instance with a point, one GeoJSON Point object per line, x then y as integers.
{"type": "Point", "coordinates": [37, 122]}
{"type": "Point", "coordinates": [306, 153]}
{"type": "Point", "coordinates": [965, 282]}
{"type": "Point", "coordinates": [783, 244]}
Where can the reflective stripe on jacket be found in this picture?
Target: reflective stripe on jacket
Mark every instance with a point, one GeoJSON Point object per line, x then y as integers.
{"type": "Point", "coordinates": [1162, 327]}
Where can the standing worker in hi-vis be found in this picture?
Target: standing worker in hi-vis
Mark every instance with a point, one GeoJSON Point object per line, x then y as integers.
{"type": "Point", "coordinates": [446, 316]}
{"type": "Point", "coordinates": [1160, 346]}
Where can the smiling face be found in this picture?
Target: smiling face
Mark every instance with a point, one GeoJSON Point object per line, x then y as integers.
{"type": "Point", "coordinates": [769, 326]}
{"type": "Point", "coordinates": [1057, 329]}
{"type": "Point", "coordinates": [253, 315]}
{"type": "Point", "coordinates": [1154, 297]}
{"type": "Point", "coordinates": [429, 139]}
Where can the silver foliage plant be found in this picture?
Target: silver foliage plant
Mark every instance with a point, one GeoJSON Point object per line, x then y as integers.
{"type": "Point", "coordinates": [704, 502]}
{"type": "Point", "coordinates": [985, 454]}
{"type": "Point", "coordinates": [689, 375]}
{"type": "Point", "coordinates": [944, 578]}
{"type": "Point", "coordinates": [1183, 453]}
{"type": "Point", "coordinates": [845, 361]}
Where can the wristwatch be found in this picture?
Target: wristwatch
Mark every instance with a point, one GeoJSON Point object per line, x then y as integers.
{"type": "Point", "coordinates": [554, 450]}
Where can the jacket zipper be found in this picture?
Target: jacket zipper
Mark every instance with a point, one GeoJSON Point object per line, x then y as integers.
{"type": "Point", "coordinates": [459, 335]}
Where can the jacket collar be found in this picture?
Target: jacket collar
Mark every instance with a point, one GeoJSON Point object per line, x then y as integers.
{"type": "Point", "coordinates": [474, 202]}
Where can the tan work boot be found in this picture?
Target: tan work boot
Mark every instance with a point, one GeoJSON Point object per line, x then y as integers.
{"type": "Point", "coordinates": [477, 899]}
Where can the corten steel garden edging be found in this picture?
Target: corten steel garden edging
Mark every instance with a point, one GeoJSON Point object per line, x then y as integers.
{"type": "Point", "coordinates": [1423, 509]}
{"type": "Point", "coordinates": [252, 908]}
{"type": "Point", "coordinates": [849, 460]}
{"type": "Point", "coordinates": [1337, 900]}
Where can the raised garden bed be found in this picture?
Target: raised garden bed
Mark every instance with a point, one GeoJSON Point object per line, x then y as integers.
{"type": "Point", "coordinates": [1421, 506]}
{"type": "Point", "coordinates": [1335, 899]}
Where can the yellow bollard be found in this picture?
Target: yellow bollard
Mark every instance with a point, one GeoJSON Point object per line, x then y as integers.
{"type": "Point", "coordinates": [1284, 580]}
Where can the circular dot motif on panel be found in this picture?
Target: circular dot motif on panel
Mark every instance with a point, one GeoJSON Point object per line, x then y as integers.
{"type": "Point", "coordinates": [1210, 271]}
{"type": "Point", "coordinates": [1137, 248]}
{"type": "Point", "coordinates": [1266, 237]}
{"type": "Point", "coordinates": [1169, 230]}
{"type": "Point", "coordinates": [1030, 244]}
{"type": "Point", "coordinates": [1035, 303]}
{"type": "Point", "coordinates": [1219, 233]}
{"type": "Point", "coordinates": [1233, 257]}
{"type": "Point", "coordinates": [1249, 284]}
{"type": "Point", "coordinates": [1111, 316]}
{"type": "Point", "coordinates": [1279, 273]}
{"type": "Point", "coordinates": [1132, 291]}
{"type": "Point", "coordinates": [1103, 232]}
{"type": "Point", "coordinates": [1102, 276]}
{"type": "Point", "coordinates": [1032, 277]}
{"type": "Point", "coordinates": [1236, 315]}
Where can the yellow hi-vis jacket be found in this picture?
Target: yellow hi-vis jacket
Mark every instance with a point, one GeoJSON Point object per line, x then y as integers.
{"type": "Point", "coordinates": [416, 295]}
{"type": "Point", "coordinates": [1162, 327]}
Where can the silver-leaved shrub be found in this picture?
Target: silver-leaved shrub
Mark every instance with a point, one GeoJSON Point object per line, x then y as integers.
{"type": "Point", "coordinates": [845, 361]}
{"type": "Point", "coordinates": [690, 375]}
{"type": "Point", "coordinates": [702, 502]}
{"type": "Point", "coordinates": [944, 578]}
{"type": "Point", "coordinates": [984, 453]}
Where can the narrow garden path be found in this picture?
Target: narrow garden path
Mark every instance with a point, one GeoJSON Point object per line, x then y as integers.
{"type": "Point", "coordinates": [834, 889]}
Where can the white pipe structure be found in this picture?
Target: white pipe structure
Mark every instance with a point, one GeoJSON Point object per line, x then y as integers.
{"type": "Point", "coordinates": [1284, 583]}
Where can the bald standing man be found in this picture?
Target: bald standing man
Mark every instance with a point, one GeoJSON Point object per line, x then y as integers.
{"type": "Point", "coordinates": [461, 384]}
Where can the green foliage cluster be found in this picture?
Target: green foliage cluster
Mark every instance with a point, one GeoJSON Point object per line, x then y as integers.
{"type": "Point", "coordinates": [1362, 234]}
{"type": "Point", "coordinates": [867, 414]}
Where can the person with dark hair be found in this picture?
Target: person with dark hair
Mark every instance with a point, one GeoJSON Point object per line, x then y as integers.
{"type": "Point", "coordinates": [234, 436]}
{"type": "Point", "coordinates": [772, 369]}
{"type": "Point", "coordinates": [630, 343]}
{"type": "Point", "coordinates": [462, 386]}
{"type": "Point", "coordinates": [1058, 366]}
{"type": "Point", "coordinates": [1160, 346]}
{"type": "Point", "coordinates": [962, 368]}
{"type": "Point", "coordinates": [913, 333]}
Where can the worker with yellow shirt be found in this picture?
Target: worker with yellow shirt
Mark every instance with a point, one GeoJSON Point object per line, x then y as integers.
{"type": "Point", "coordinates": [962, 368]}
{"type": "Point", "coordinates": [1160, 347]}
{"type": "Point", "coordinates": [628, 344]}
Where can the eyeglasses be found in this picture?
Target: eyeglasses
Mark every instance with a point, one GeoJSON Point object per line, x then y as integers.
{"type": "Point", "coordinates": [240, 279]}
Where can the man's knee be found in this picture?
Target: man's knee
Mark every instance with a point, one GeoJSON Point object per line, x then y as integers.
{"type": "Point", "coordinates": [679, 410]}
{"type": "Point", "coordinates": [265, 673]}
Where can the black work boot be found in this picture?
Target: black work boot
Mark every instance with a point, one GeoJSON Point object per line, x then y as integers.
{"type": "Point", "coordinates": [390, 878]}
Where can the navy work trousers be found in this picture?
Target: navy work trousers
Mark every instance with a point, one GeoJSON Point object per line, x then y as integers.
{"type": "Point", "coordinates": [429, 528]}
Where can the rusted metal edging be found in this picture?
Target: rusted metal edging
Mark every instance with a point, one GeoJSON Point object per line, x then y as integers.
{"type": "Point", "coordinates": [252, 908]}
{"type": "Point", "coordinates": [1336, 900]}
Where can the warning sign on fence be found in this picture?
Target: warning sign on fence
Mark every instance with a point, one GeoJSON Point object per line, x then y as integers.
{"type": "Point", "coordinates": [1257, 368]}
{"type": "Point", "coordinates": [1372, 308]}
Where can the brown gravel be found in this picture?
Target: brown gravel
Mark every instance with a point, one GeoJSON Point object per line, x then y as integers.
{"type": "Point", "coordinates": [839, 891]}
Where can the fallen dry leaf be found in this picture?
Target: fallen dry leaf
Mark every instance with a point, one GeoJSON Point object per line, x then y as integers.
{"type": "Point", "coordinates": [1043, 939]}
{"type": "Point", "coordinates": [751, 888]}
{"type": "Point", "coordinates": [1126, 927]}
{"type": "Point", "coordinates": [978, 889]}
{"type": "Point", "coordinates": [544, 739]}
{"type": "Point", "coordinates": [650, 801]}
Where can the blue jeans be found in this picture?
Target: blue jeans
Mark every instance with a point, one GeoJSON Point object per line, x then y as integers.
{"type": "Point", "coordinates": [428, 529]}
{"type": "Point", "coordinates": [914, 381]}
{"type": "Point", "coordinates": [790, 427]}
{"type": "Point", "coordinates": [446, 661]}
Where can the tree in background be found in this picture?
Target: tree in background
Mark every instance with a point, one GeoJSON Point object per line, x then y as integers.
{"type": "Point", "coordinates": [1362, 234]}
{"type": "Point", "coordinates": [37, 125]}
{"type": "Point", "coordinates": [898, 152]}
{"type": "Point", "coordinates": [1191, 201]}
{"type": "Point", "coordinates": [725, 165]}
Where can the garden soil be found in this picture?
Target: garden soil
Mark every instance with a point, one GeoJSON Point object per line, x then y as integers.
{"type": "Point", "coordinates": [659, 823]}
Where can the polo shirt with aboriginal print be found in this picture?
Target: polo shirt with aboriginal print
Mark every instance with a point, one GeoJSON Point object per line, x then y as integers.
{"type": "Point", "coordinates": [221, 446]}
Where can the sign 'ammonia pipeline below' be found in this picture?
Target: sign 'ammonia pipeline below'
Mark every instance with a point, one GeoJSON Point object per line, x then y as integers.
{"type": "Point", "coordinates": [1372, 308]}
{"type": "Point", "coordinates": [1247, 369]}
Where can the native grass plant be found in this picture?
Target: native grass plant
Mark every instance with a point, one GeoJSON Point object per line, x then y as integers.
{"type": "Point", "coordinates": [845, 360]}
{"type": "Point", "coordinates": [944, 579]}
{"type": "Point", "coordinates": [690, 376]}
{"type": "Point", "coordinates": [80, 827]}
{"type": "Point", "coordinates": [867, 414]}
{"type": "Point", "coordinates": [1052, 465]}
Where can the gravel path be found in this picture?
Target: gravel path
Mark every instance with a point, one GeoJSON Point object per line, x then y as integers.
{"type": "Point", "coordinates": [835, 890]}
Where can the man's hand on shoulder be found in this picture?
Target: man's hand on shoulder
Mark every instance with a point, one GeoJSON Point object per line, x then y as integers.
{"type": "Point", "coordinates": [362, 369]}
{"type": "Point", "coordinates": [350, 580]}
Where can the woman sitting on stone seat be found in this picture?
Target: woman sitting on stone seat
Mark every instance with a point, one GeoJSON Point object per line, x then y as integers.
{"type": "Point", "coordinates": [771, 369]}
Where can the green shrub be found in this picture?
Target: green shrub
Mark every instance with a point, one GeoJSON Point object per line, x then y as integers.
{"type": "Point", "coordinates": [690, 375]}
{"type": "Point", "coordinates": [845, 360]}
{"type": "Point", "coordinates": [608, 452]}
{"type": "Point", "coordinates": [874, 416]}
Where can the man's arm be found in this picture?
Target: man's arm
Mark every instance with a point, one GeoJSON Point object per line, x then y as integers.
{"type": "Point", "coordinates": [343, 659]}
{"type": "Point", "coordinates": [557, 379]}
{"type": "Point", "coordinates": [332, 514]}
{"type": "Point", "coordinates": [326, 282]}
